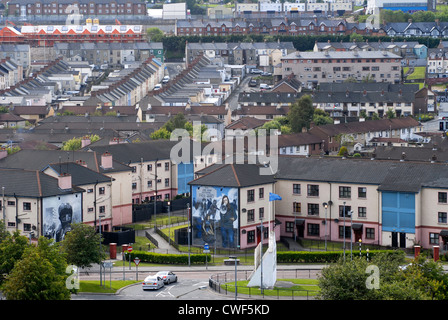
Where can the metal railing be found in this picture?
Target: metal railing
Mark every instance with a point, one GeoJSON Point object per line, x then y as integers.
{"type": "Point", "coordinates": [224, 283]}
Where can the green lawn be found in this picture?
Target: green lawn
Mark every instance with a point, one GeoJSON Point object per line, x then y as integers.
{"type": "Point", "coordinates": [299, 287]}
{"type": "Point", "coordinates": [419, 73]}
{"type": "Point", "coordinates": [94, 285]}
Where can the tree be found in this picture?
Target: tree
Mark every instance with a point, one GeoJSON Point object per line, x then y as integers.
{"type": "Point", "coordinates": [301, 113]}
{"type": "Point", "coordinates": [82, 246]}
{"type": "Point", "coordinates": [154, 34]}
{"type": "Point", "coordinates": [39, 272]}
{"type": "Point", "coordinates": [11, 251]}
{"type": "Point", "coordinates": [320, 118]}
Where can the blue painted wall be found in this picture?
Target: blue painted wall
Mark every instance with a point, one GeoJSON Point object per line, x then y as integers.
{"type": "Point", "coordinates": [398, 212]}
{"type": "Point", "coordinates": [185, 174]}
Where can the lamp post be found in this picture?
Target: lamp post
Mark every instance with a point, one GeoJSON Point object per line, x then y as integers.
{"type": "Point", "coordinates": [169, 223]}
{"type": "Point", "coordinates": [236, 288]}
{"type": "Point", "coordinates": [101, 263]}
{"type": "Point", "coordinates": [189, 231]}
{"type": "Point", "coordinates": [351, 234]}
{"type": "Point", "coordinates": [325, 235]}
{"type": "Point", "coordinates": [343, 232]}
{"type": "Point", "coordinates": [261, 255]}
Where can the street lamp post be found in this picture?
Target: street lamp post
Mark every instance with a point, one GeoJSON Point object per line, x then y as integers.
{"type": "Point", "coordinates": [261, 255]}
{"type": "Point", "coordinates": [325, 235]}
{"type": "Point", "coordinates": [169, 223]}
{"type": "Point", "coordinates": [343, 232]}
{"type": "Point", "coordinates": [189, 231]}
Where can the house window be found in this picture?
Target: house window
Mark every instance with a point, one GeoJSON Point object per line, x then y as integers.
{"type": "Point", "coordinates": [313, 190]}
{"type": "Point", "coordinates": [261, 213]}
{"type": "Point", "coordinates": [251, 236]}
{"type": "Point", "coordinates": [149, 183]}
{"type": "Point", "coordinates": [362, 212]}
{"type": "Point", "coordinates": [442, 197]}
{"type": "Point", "coordinates": [251, 195]}
{"type": "Point", "coordinates": [362, 192]}
{"type": "Point", "coordinates": [102, 190]}
{"type": "Point", "coordinates": [289, 226]}
{"type": "Point", "coordinates": [296, 207]}
{"type": "Point", "coordinates": [313, 209]}
{"type": "Point", "coordinates": [433, 238]}
{"type": "Point", "coordinates": [167, 182]}
{"type": "Point", "coordinates": [442, 217]}
{"type": "Point", "coordinates": [296, 188]}
{"type": "Point", "coordinates": [27, 206]}
{"type": "Point", "coordinates": [370, 233]}
{"type": "Point", "coordinates": [345, 192]}
{"type": "Point", "coordinates": [167, 166]}
{"type": "Point", "coordinates": [149, 167]}
{"type": "Point", "coordinates": [134, 185]}
{"type": "Point", "coordinates": [102, 209]}
{"type": "Point", "coordinates": [348, 232]}
{"type": "Point", "coordinates": [27, 227]}
{"type": "Point", "coordinates": [261, 193]}
{"type": "Point", "coordinates": [347, 211]}
{"type": "Point", "coordinates": [250, 215]}
{"type": "Point", "coordinates": [313, 229]}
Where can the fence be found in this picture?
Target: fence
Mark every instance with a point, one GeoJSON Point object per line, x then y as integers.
{"type": "Point", "coordinates": [224, 283]}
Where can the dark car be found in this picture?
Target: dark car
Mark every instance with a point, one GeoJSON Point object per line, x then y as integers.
{"type": "Point", "coordinates": [252, 83]}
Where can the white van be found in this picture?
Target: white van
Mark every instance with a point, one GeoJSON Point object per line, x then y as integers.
{"type": "Point", "coordinates": [166, 79]}
{"type": "Point", "coordinates": [158, 86]}
{"type": "Point", "coordinates": [264, 86]}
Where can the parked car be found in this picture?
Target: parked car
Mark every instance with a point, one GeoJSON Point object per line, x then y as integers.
{"type": "Point", "coordinates": [165, 79]}
{"type": "Point", "coordinates": [252, 83]}
{"type": "Point", "coordinates": [167, 276]}
{"type": "Point", "coordinates": [266, 74]}
{"type": "Point", "coordinates": [264, 86]}
{"type": "Point", "coordinates": [152, 282]}
{"type": "Point", "coordinates": [158, 86]}
{"type": "Point", "coordinates": [257, 71]}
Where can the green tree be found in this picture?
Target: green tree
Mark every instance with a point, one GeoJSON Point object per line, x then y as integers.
{"type": "Point", "coordinates": [301, 113]}
{"type": "Point", "coordinates": [38, 275]}
{"type": "Point", "coordinates": [390, 113]}
{"type": "Point", "coordinates": [11, 250]}
{"type": "Point", "coordinates": [82, 246]}
{"type": "Point", "coordinates": [162, 133]}
{"type": "Point", "coordinates": [154, 34]}
{"type": "Point", "coordinates": [320, 117]}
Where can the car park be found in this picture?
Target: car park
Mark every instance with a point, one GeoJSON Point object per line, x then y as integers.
{"type": "Point", "coordinates": [167, 276]}
{"type": "Point", "coordinates": [152, 282]}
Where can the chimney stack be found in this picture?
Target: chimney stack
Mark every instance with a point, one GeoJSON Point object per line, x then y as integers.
{"type": "Point", "coordinates": [106, 160]}
{"type": "Point", "coordinates": [65, 181]}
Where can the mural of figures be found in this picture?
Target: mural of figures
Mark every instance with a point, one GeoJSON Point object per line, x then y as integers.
{"type": "Point", "coordinates": [215, 216]}
{"type": "Point", "coordinates": [59, 213]}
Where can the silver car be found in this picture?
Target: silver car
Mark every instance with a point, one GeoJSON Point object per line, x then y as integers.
{"type": "Point", "coordinates": [167, 276]}
{"type": "Point", "coordinates": [152, 282]}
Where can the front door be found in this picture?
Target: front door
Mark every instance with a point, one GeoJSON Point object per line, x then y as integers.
{"type": "Point", "coordinates": [402, 240]}
{"type": "Point", "coordinates": [394, 240]}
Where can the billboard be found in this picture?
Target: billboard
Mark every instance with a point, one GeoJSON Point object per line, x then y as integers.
{"type": "Point", "coordinates": [214, 216]}
{"type": "Point", "coordinates": [58, 213]}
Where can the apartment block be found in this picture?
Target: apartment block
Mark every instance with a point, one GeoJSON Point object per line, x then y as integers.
{"type": "Point", "coordinates": [335, 66]}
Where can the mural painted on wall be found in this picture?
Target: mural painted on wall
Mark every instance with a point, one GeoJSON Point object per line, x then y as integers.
{"type": "Point", "coordinates": [215, 216]}
{"type": "Point", "coordinates": [59, 213]}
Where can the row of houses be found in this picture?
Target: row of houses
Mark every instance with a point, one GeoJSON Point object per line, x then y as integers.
{"type": "Point", "coordinates": [389, 203]}
{"type": "Point", "coordinates": [385, 203]}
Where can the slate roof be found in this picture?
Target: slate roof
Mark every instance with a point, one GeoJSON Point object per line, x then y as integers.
{"type": "Point", "coordinates": [31, 183]}
{"type": "Point", "coordinates": [388, 175]}
{"type": "Point", "coordinates": [233, 175]}
{"type": "Point", "coordinates": [366, 126]}
{"type": "Point", "coordinates": [80, 174]}
{"type": "Point", "coordinates": [40, 159]}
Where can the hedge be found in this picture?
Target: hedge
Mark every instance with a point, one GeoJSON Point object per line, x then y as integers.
{"type": "Point", "coordinates": [165, 258]}
{"type": "Point", "coordinates": [325, 256]}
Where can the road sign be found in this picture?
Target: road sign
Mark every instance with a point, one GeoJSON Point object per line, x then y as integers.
{"type": "Point", "coordinates": [206, 248]}
{"type": "Point", "coordinates": [136, 261]}
{"type": "Point", "coordinates": [130, 249]}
